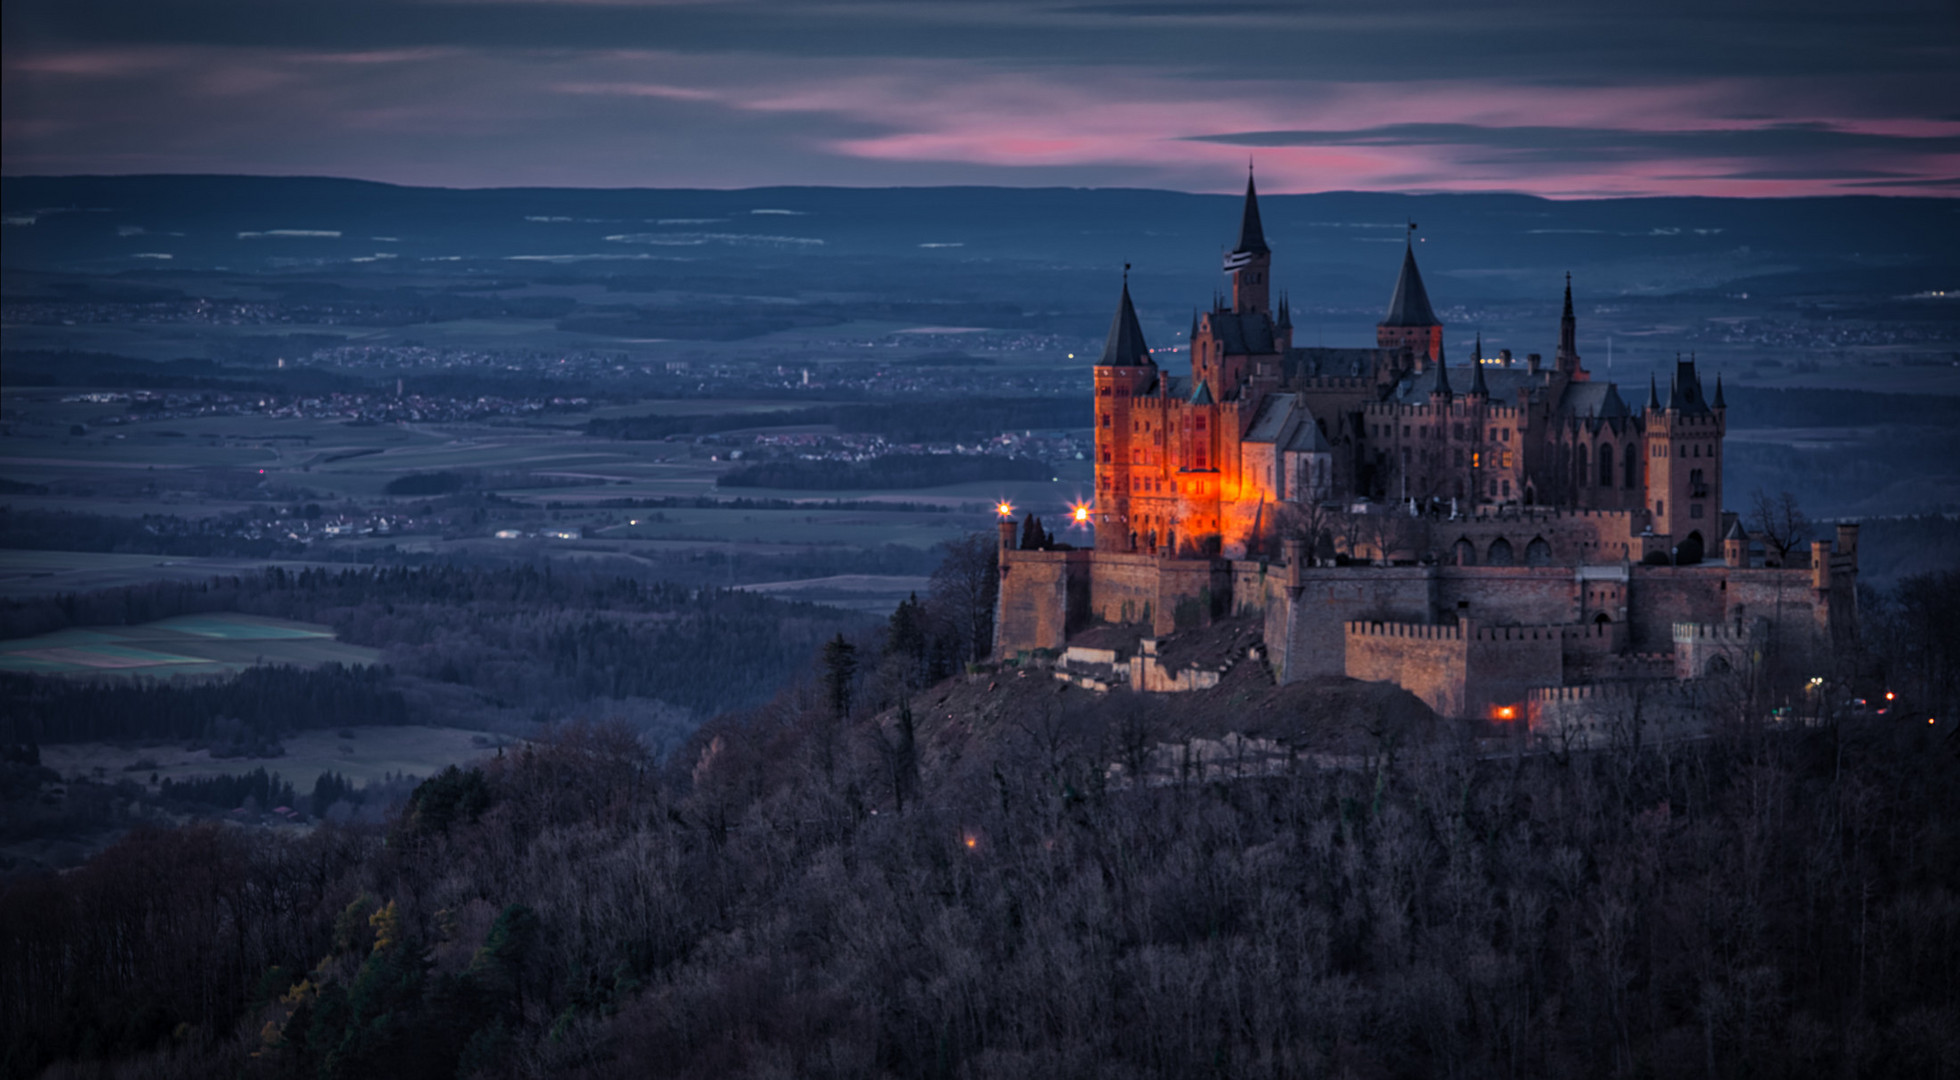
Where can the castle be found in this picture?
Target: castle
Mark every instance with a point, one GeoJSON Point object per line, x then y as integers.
{"type": "Point", "coordinates": [1504, 539]}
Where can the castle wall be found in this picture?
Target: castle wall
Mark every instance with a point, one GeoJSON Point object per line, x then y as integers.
{"type": "Point", "coordinates": [1503, 663]}
{"type": "Point", "coordinates": [1043, 594]}
{"type": "Point", "coordinates": [1123, 589]}
{"type": "Point", "coordinates": [1513, 595]}
{"type": "Point", "coordinates": [1427, 661]}
{"type": "Point", "coordinates": [1610, 714]}
{"type": "Point", "coordinates": [1304, 631]}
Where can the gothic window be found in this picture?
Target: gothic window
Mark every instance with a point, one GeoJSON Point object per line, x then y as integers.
{"type": "Point", "coordinates": [1538, 552]}
{"type": "Point", "coordinates": [1507, 488]}
{"type": "Point", "coordinates": [1500, 552]}
{"type": "Point", "coordinates": [1105, 420]}
{"type": "Point", "coordinates": [1606, 466]}
{"type": "Point", "coordinates": [1459, 459]}
{"type": "Point", "coordinates": [1697, 484]}
{"type": "Point", "coordinates": [1631, 468]}
{"type": "Point", "coordinates": [1579, 474]}
{"type": "Point", "coordinates": [1466, 553]}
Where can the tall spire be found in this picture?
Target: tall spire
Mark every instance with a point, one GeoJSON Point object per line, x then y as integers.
{"type": "Point", "coordinates": [1443, 380]}
{"type": "Point", "coordinates": [1719, 402]}
{"type": "Point", "coordinates": [1477, 383]}
{"type": "Point", "coordinates": [1125, 347]}
{"type": "Point", "coordinates": [1568, 325]}
{"type": "Point", "coordinates": [1653, 395]}
{"type": "Point", "coordinates": [1410, 304]}
{"type": "Point", "coordinates": [1285, 312]}
{"type": "Point", "coordinates": [1252, 235]}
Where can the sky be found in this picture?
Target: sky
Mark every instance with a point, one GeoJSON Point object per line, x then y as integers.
{"type": "Point", "coordinates": [1568, 99]}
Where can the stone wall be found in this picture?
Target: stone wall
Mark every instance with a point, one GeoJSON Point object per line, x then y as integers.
{"type": "Point", "coordinates": [1304, 620]}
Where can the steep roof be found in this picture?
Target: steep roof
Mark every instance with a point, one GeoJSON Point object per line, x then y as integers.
{"type": "Point", "coordinates": [1310, 360]}
{"type": "Point", "coordinates": [1270, 423]}
{"type": "Point", "coordinates": [1243, 333]}
{"type": "Point", "coordinates": [1125, 347]}
{"type": "Point", "coordinates": [1593, 400]}
{"type": "Point", "coordinates": [1252, 235]}
{"type": "Point", "coordinates": [1410, 305]}
{"type": "Point", "coordinates": [1202, 395]}
{"type": "Point", "coordinates": [1684, 390]}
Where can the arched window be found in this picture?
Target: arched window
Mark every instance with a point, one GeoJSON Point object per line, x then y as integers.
{"type": "Point", "coordinates": [1538, 552]}
{"type": "Point", "coordinates": [1631, 468]}
{"type": "Point", "coordinates": [1606, 465]}
{"type": "Point", "coordinates": [1579, 474]}
{"type": "Point", "coordinates": [1500, 552]}
{"type": "Point", "coordinates": [1690, 551]}
{"type": "Point", "coordinates": [1465, 552]}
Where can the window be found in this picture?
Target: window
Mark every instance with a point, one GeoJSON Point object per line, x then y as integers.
{"type": "Point", "coordinates": [1507, 488]}
{"type": "Point", "coordinates": [1476, 460]}
{"type": "Point", "coordinates": [1459, 462]}
{"type": "Point", "coordinates": [1506, 463]}
{"type": "Point", "coordinates": [1105, 420]}
{"type": "Point", "coordinates": [1632, 469]}
{"type": "Point", "coordinates": [1660, 507]}
{"type": "Point", "coordinates": [1606, 466]}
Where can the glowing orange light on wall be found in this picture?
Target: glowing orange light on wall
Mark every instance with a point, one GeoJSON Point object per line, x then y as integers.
{"type": "Point", "coordinates": [1080, 513]}
{"type": "Point", "coordinates": [1505, 712]}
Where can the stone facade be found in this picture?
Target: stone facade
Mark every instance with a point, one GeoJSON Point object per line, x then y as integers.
{"type": "Point", "coordinates": [1526, 545]}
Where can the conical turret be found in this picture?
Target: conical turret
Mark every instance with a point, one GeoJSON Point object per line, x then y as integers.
{"type": "Point", "coordinates": [1410, 305]}
{"type": "Point", "coordinates": [1252, 233]}
{"type": "Point", "coordinates": [1125, 347]}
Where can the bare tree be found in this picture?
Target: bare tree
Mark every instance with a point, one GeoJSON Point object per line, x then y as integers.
{"type": "Point", "coordinates": [1310, 522]}
{"type": "Point", "coordinates": [1780, 522]}
{"type": "Point", "coordinates": [964, 590]}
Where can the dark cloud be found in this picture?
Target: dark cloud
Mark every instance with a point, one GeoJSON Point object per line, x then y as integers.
{"type": "Point", "coordinates": [1567, 97]}
{"type": "Point", "coordinates": [1527, 144]}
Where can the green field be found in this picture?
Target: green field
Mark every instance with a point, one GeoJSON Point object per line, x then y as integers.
{"type": "Point", "coordinates": [198, 645]}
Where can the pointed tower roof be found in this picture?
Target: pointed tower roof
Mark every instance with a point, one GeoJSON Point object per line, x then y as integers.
{"type": "Point", "coordinates": [1252, 235]}
{"type": "Point", "coordinates": [1720, 403]}
{"type": "Point", "coordinates": [1202, 395]}
{"type": "Point", "coordinates": [1285, 311]}
{"type": "Point", "coordinates": [1125, 347]}
{"type": "Point", "coordinates": [1653, 394]}
{"type": "Point", "coordinates": [1568, 296]}
{"type": "Point", "coordinates": [1477, 383]}
{"type": "Point", "coordinates": [1410, 305]}
{"type": "Point", "coordinates": [1442, 376]}
{"type": "Point", "coordinates": [1735, 531]}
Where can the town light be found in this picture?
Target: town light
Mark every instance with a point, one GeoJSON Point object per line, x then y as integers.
{"type": "Point", "coordinates": [1507, 712]}
{"type": "Point", "coordinates": [1080, 513]}
{"type": "Point", "coordinates": [1004, 509]}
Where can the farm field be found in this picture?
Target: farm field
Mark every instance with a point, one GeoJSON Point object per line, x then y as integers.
{"type": "Point", "coordinates": [359, 753]}
{"type": "Point", "coordinates": [188, 645]}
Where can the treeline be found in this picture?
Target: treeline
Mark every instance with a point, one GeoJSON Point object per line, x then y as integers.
{"type": "Point", "coordinates": [266, 790]}
{"type": "Point", "coordinates": [954, 420]}
{"type": "Point", "coordinates": [890, 471]}
{"type": "Point", "coordinates": [149, 534]}
{"type": "Point", "coordinates": [744, 502]}
{"type": "Point", "coordinates": [236, 716]}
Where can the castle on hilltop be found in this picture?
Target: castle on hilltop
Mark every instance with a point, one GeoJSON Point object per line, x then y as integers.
{"type": "Point", "coordinates": [1504, 537]}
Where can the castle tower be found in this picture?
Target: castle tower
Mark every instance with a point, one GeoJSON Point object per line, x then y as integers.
{"type": "Point", "coordinates": [1411, 323]}
{"type": "Point", "coordinates": [1567, 360]}
{"type": "Point", "coordinates": [1124, 371]}
{"type": "Point", "coordinates": [1684, 464]}
{"type": "Point", "coordinates": [1251, 261]}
